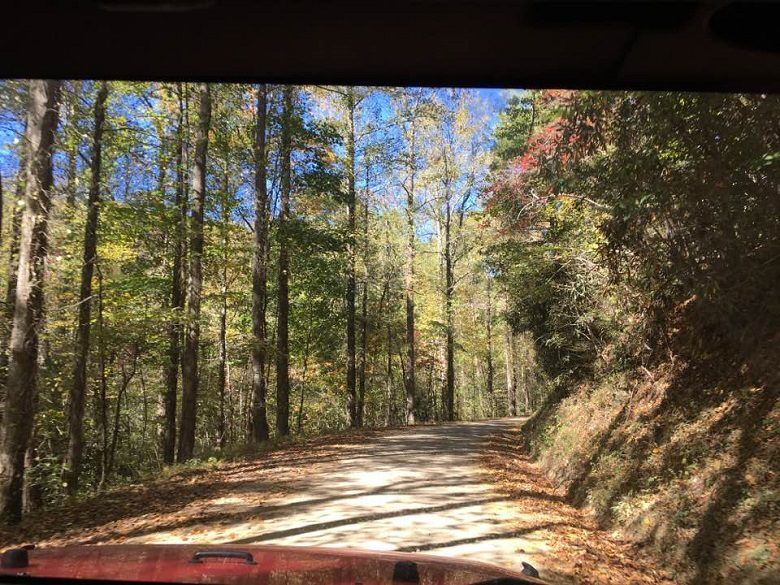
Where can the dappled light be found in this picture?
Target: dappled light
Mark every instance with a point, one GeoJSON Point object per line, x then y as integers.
{"type": "Point", "coordinates": [491, 325]}
{"type": "Point", "coordinates": [430, 489]}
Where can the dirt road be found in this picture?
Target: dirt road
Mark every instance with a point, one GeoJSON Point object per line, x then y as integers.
{"type": "Point", "coordinates": [419, 489]}
{"type": "Point", "coordinates": [462, 490]}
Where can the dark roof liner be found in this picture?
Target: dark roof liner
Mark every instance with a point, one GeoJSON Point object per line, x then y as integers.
{"type": "Point", "coordinates": [713, 46]}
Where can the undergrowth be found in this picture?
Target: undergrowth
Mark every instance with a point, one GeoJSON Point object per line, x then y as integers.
{"type": "Point", "coordinates": [681, 457]}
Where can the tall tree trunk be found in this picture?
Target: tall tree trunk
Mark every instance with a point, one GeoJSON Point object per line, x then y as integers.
{"type": "Point", "coordinates": [222, 372]}
{"type": "Point", "coordinates": [28, 311]}
{"type": "Point", "coordinates": [177, 291]}
{"type": "Point", "coordinates": [72, 464]}
{"type": "Point", "coordinates": [283, 302]}
{"type": "Point", "coordinates": [389, 398]}
{"type": "Point", "coordinates": [363, 315]}
{"type": "Point", "coordinates": [13, 259]}
{"type": "Point", "coordinates": [32, 492]}
{"type": "Point", "coordinates": [103, 395]}
{"type": "Point", "coordinates": [70, 188]}
{"type": "Point", "coordinates": [449, 287]}
{"type": "Point", "coordinates": [490, 371]}
{"type": "Point", "coordinates": [524, 381]}
{"type": "Point", "coordinates": [73, 113]}
{"type": "Point", "coordinates": [304, 373]}
{"type": "Point", "coordinates": [409, 368]}
{"type": "Point", "coordinates": [223, 309]}
{"type": "Point", "coordinates": [126, 379]}
{"type": "Point", "coordinates": [259, 417]}
{"type": "Point", "coordinates": [511, 379]}
{"type": "Point", "coordinates": [352, 401]}
{"type": "Point", "coordinates": [189, 400]}
{"type": "Point", "coordinates": [361, 385]}
{"type": "Point", "coordinates": [389, 380]}
{"type": "Point", "coordinates": [271, 340]}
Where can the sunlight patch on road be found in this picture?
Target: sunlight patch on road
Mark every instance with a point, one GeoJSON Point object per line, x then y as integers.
{"type": "Point", "coordinates": [418, 489]}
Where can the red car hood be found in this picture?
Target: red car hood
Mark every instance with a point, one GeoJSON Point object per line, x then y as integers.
{"type": "Point", "coordinates": [262, 565]}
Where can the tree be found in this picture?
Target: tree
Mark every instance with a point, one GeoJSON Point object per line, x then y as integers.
{"type": "Point", "coordinates": [259, 420]}
{"type": "Point", "coordinates": [511, 375]}
{"type": "Point", "coordinates": [449, 293]}
{"type": "Point", "coordinates": [361, 397]}
{"type": "Point", "coordinates": [287, 177]}
{"type": "Point", "coordinates": [13, 258]}
{"type": "Point", "coordinates": [411, 105]}
{"type": "Point", "coordinates": [489, 333]}
{"type": "Point", "coordinates": [177, 284]}
{"type": "Point", "coordinates": [190, 380]}
{"type": "Point", "coordinates": [516, 124]}
{"type": "Point", "coordinates": [283, 298]}
{"type": "Point", "coordinates": [222, 357]}
{"type": "Point", "coordinates": [75, 119]}
{"type": "Point", "coordinates": [352, 399]}
{"type": "Point", "coordinates": [456, 167]}
{"type": "Point", "coordinates": [28, 312]}
{"type": "Point", "coordinates": [73, 457]}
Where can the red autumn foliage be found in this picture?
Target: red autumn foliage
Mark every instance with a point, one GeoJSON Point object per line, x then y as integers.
{"type": "Point", "coordinates": [516, 186]}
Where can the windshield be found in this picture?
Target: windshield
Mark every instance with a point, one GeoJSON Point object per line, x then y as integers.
{"type": "Point", "coordinates": [530, 328]}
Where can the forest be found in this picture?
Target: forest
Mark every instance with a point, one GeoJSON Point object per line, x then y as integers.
{"type": "Point", "coordinates": [195, 271]}
{"type": "Point", "coordinates": [228, 264]}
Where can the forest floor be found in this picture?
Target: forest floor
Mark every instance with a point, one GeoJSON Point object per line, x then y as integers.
{"type": "Point", "coordinates": [462, 490]}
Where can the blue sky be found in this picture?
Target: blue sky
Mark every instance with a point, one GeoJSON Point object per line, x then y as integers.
{"type": "Point", "coordinates": [495, 98]}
